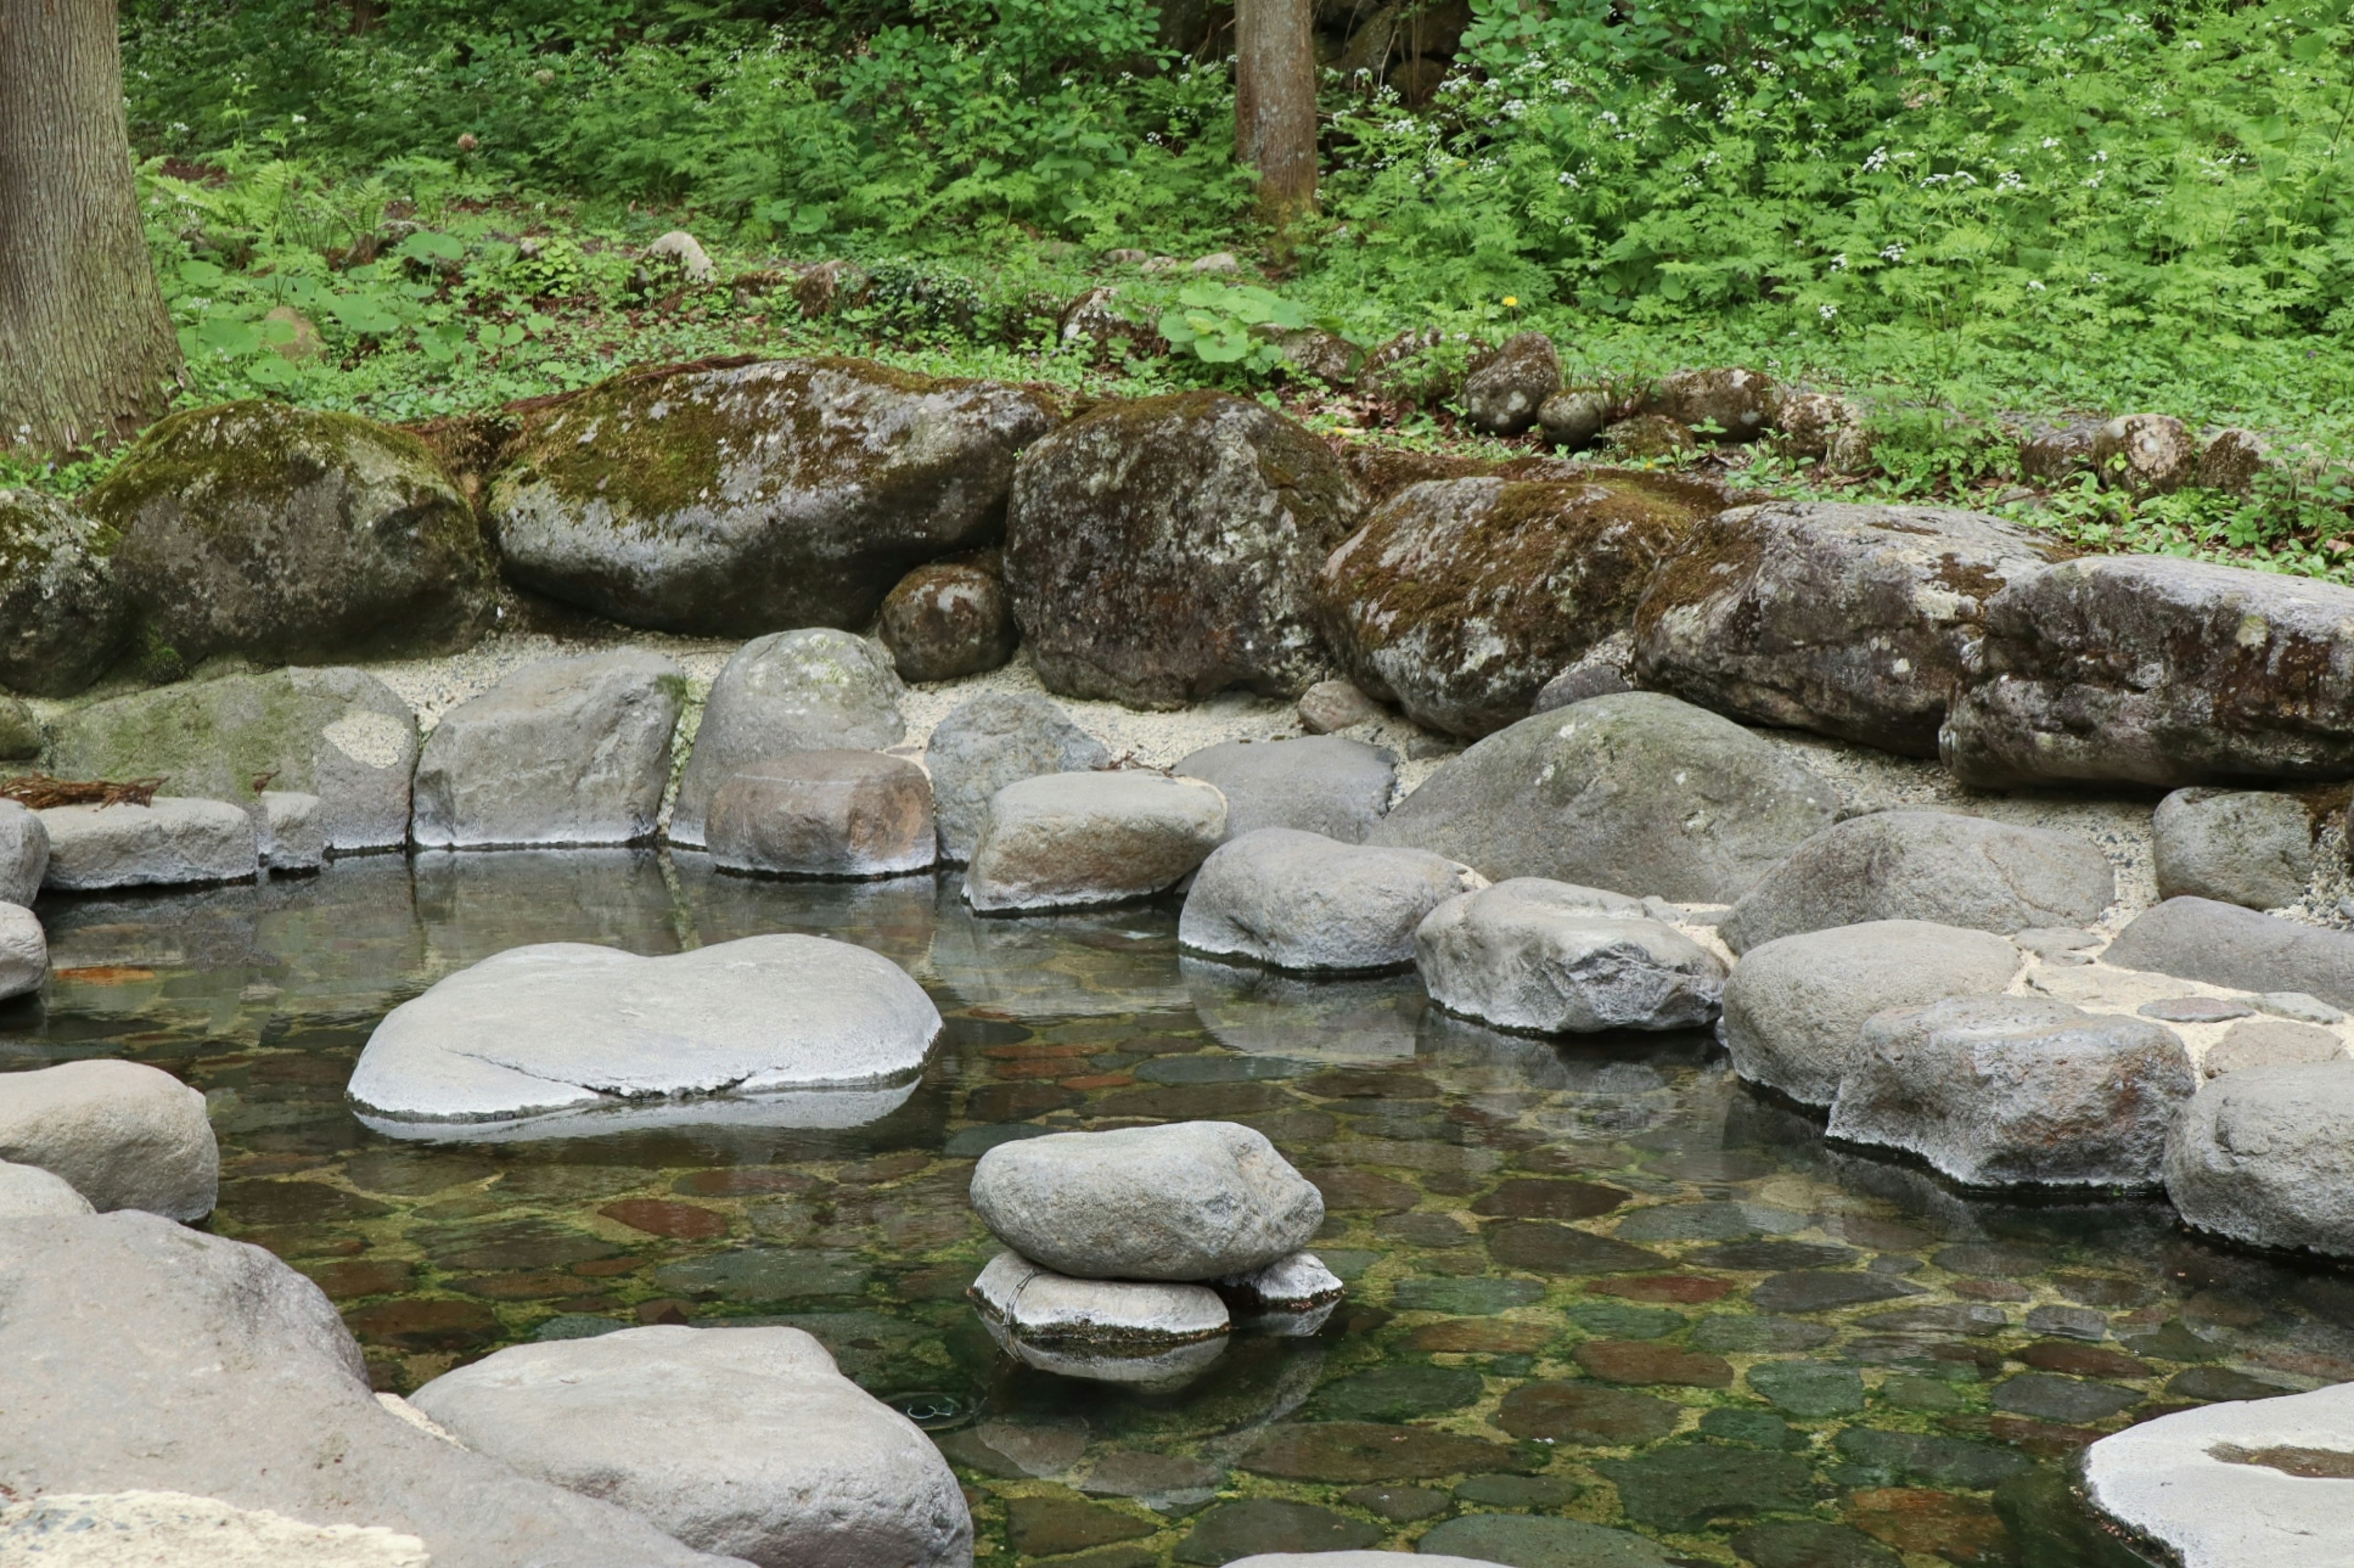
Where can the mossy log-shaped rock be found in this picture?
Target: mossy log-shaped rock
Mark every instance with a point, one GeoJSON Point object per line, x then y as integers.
{"type": "Point", "coordinates": [1160, 550]}
{"type": "Point", "coordinates": [1854, 622]}
{"type": "Point", "coordinates": [1460, 598]}
{"type": "Point", "coordinates": [762, 498]}
{"type": "Point", "coordinates": [292, 536]}
{"type": "Point", "coordinates": [61, 615]}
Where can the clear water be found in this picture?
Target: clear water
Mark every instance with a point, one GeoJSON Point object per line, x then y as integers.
{"type": "Point", "coordinates": [1598, 1282]}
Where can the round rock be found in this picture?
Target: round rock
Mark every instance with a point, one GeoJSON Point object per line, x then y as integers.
{"type": "Point", "coordinates": [1068, 840]}
{"type": "Point", "coordinates": [1300, 901]}
{"type": "Point", "coordinates": [28, 1191]}
{"type": "Point", "coordinates": [1318, 784]}
{"type": "Point", "coordinates": [1189, 1201]}
{"type": "Point", "coordinates": [824, 813]}
{"type": "Point", "coordinates": [1556, 959]}
{"type": "Point", "coordinates": [2240, 846]}
{"type": "Point", "coordinates": [746, 1442]}
{"type": "Point", "coordinates": [2261, 1156]}
{"type": "Point", "coordinates": [946, 619]}
{"type": "Point", "coordinates": [125, 1135]}
{"type": "Point", "coordinates": [992, 740]}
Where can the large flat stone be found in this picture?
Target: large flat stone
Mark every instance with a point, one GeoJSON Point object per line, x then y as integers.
{"type": "Point", "coordinates": [172, 843]}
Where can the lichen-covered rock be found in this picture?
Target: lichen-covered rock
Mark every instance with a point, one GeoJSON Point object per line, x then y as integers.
{"type": "Point", "coordinates": [992, 740]}
{"type": "Point", "coordinates": [2232, 460]}
{"type": "Point", "coordinates": [2261, 1156]}
{"type": "Point", "coordinates": [288, 534]}
{"type": "Point", "coordinates": [21, 734]}
{"type": "Point", "coordinates": [2145, 454]}
{"type": "Point", "coordinates": [339, 734]}
{"type": "Point", "coordinates": [945, 620]}
{"type": "Point", "coordinates": [1554, 959]}
{"type": "Point", "coordinates": [62, 616]}
{"type": "Point", "coordinates": [1856, 622]}
{"type": "Point", "coordinates": [1460, 597]}
{"type": "Point", "coordinates": [811, 690]}
{"type": "Point", "coordinates": [2250, 847]}
{"type": "Point", "coordinates": [2154, 670]}
{"type": "Point", "coordinates": [1738, 404]}
{"type": "Point", "coordinates": [1573, 418]}
{"type": "Point", "coordinates": [1648, 437]}
{"type": "Point", "coordinates": [2016, 1090]}
{"type": "Point", "coordinates": [1635, 792]}
{"type": "Point", "coordinates": [1505, 388]}
{"type": "Point", "coordinates": [1161, 550]}
{"type": "Point", "coordinates": [2056, 456]}
{"type": "Point", "coordinates": [1937, 866]}
{"type": "Point", "coordinates": [732, 502]}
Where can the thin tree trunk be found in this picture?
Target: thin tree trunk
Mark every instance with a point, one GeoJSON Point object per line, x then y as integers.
{"type": "Point", "coordinates": [1275, 101]}
{"type": "Point", "coordinates": [87, 349]}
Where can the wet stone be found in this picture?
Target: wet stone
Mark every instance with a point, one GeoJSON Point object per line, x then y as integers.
{"type": "Point", "coordinates": [1531, 1198]}
{"type": "Point", "coordinates": [1811, 1544]}
{"type": "Point", "coordinates": [1584, 1413]}
{"type": "Point", "coordinates": [1711, 1165]}
{"type": "Point", "coordinates": [576, 1326]}
{"type": "Point", "coordinates": [1761, 1335]}
{"type": "Point", "coordinates": [1963, 1531]}
{"type": "Point", "coordinates": [1548, 1248]}
{"type": "Point", "coordinates": [1518, 1491]}
{"type": "Point", "coordinates": [1491, 1336]}
{"type": "Point", "coordinates": [521, 1244]}
{"type": "Point", "coordinates": [2065, 1399]}
{"type": "Point", "coordinates": [1347, 1451]}
{"type": "Point", "coordinates": [1907, 1391]}
{"type": "Point", "coordinates": [2076, 1322]}
{"type": "Point", "coordinates": [1750, 1429]}
{"type": "Point", "coordinates": [659, 1217]}
{"type": "Point", "coordinates": [1209, 1069]}
{"type": "Point", "coordinates": [1363, 1191]}
{"type": "Point", "coordinates": [1772, 1256]}
{"type": "Point", "coordinates": [1529, 1541]}
{"type": "Point", "coordinates": [1938, 1320]}
{"type": "Point", "coordinates": [1462, 1297]}
{"type": "Point", "coordinates": [1399, 1505]}
{"type": "Point", "coordinates": [1808, 1390]}
{"type": "Point", "coordinates": [263, 1202]}
{"type": "Point", "coordinates": [424, 1323]}
{"type": "Point", "coordinates": [1812, 1292]}
{"type": "Point", "coordinates": [2001, 1262]}
{"type": "Point", "coordinates": [354, 1277]}
{"type": "Point", "coordinates": [1135, 1475]}
{"type": "Point", "coordinates": [764, 1274]}
{"type": "Point", "coordinates": [1263, 1525]}
{"type": "Point", "coordinates": [1394, 1393]}
{"type": "Point", "coordinates": [1425, 1230]}
{"type": "Point", "coordinates": [1711, 1221]}
{"type": "Point", "coordinates": [2216, 1383]}
{"type": "Point", "coordinates": [1049, 1526]}
{"type": "Point", "coordinates": [1990, 1290]}
{"type": "Point", "coordinates": [408, 1175]}
{"type": "Point", "coordinates": [1608, 1319]}
{"type": "Point", "coordinates": [1882, 1458]}
{"type": "Point", "coordinates": [1640, 1362]}
{"type": "Point", "coordinates": [1684, 1486]}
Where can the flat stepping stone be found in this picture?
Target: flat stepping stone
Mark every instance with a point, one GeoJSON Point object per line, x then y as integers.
{"type": "Point", "coordinates": [1110, 1331]}
{"type": "Point", "coordinates": [1683, 1486]}
{"type": "Point", "coordinates": [1072, 841]}
{"type": "Point", "coordinates": [171, 843]}
{"type": "Point", "coordinates": [2234, 1484]}
{"type": "Point", "coordinates": [1530, 1541]}
{"type": "Point", "coordinates": [1586, 1412]}
{"type": "Point", "coordinates": [2062, 1399]}
{"type": "Point", "coordinates": [1305, 902]}
{"type": "Point", "coordinates": [1265, 1529]}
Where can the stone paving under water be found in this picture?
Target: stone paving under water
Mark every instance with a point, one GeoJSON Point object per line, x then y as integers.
{"type": "Point", "coordinates": [1595, 1288]}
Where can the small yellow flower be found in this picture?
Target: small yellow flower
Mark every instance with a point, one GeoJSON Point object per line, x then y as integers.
{"type": "Point", "coordinates": [1510, 301]}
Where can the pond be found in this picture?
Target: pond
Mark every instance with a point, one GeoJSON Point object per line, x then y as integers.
{"type": "Point", "coordinates": [1598, 1284]}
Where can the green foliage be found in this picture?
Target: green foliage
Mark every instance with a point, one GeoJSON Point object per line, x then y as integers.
{"type": "Point", "coordinates": [1223, 324]}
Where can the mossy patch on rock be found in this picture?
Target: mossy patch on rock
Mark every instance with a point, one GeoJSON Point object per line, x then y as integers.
{"type": "Point", "coordinates": [61, 615]}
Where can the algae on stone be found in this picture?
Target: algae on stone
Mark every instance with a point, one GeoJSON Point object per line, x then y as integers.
{"type": "Point", "coordinates": [61, 614]}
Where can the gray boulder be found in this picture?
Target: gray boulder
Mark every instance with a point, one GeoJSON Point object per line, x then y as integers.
{"type": "Point", "coordinates": [1300, 901]}
{"type": "Point", "coordinates": [2154, 670]}
{"type": "Point", "coordinates": [1554, 958]}
{"type": "Point", "coordinates": [1795, 1008]}
{"type": "Point", "coordinates": [1460, 598]}
{"type": "Point", "coordinates": [292, 830]}
{"type": "Point", "coordinates": [825, 813]}
{"type": "Point", "coordinates": [172, 1530]}
{"type": "Point", "coordinates": [144, 1356]}
{"type": "Point", "coordinates": [1161, 550]}
{"type": "Point", "coordinates": [1108, 1330]}
{"type": "Point", "coordinates": [338, 734]}
{"type": "Point", "coordinates": [2270, 1042]}
{"type": "Point", "coordinates": [27, 1190]}
{"type": "Point", "coordinates": [24, 852]}
{"type": "Point", "coordinates": [2262, 1157]}
{"type": "Point", "coordinates": [565, 751]}
{"type": "Point", "coordinates": [24, 952]}
{"type": "Point", "coordinates": [62, 619]}
{"type": "Point", "coordinates": [1856, 622]}
{"type": "Point", "coordinates": [574, 1037]}
{"type": "Point", "coordinates": [747, 1442]}
{"type": "Point", "coordinates": [1070, 841]}
{"type": "Point", "coordinates": [1636, 792]}
{"type": "Point", "coordinates": [796, 691]}
{"type": "Point", "coordinates": [2238, 846]}
{"type": "Point", "coordinates": [293, 536]}
{"type": "Point", "coordinates": [992, 740]}
{"type": "Point", "coordinates": [2222, 944]}
{"type": "Point", "coordinates": [2235, 1484]}
{"type": "Point", "coordinates": [127, 1135]}
{"type": "Point", "coordinates": [1925, 865]}
{"type": "Point", "coordinates": [1317, 784]}
{"type": "Point", "coordinates": [172, 843]}
{"type": "Point", "coordinates": [1997, 1091]}
{"type": "Point", "coordinates": [946, 619]}
{"type": "Point", "coordinates": [2055, 456]}
{"type": "Point", "coordinates": [733, 503]}
{"type": "Point", "coordinates": [1188, 1201]}
{"type": "Point", "coordinates": [1505, 388]}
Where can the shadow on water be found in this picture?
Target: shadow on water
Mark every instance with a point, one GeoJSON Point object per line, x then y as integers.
{"type": "Point", "coordinates": [1597, 1283]}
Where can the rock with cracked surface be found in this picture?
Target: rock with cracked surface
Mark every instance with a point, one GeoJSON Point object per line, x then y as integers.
{"type": "Point", "coordinates": [564, 751]}
{"type": "Point", "coordinates": [2152, 670]}
{"type": "Point", "coordinates": [1855, 621]}
{"type": "Point", "coordinates": [2249, 847]}
{"type": "Point", "coordinates": [1555, 959]}
{"type": "Point", "coordinates": [992, 740]}
{"type": "Point", "coordinates": [2262, 1157]}
{"type": "Point", "coordinates": [1936, 866]}
{"type": "Point", "coordinates": [1998, 1091]}
{"type": "Point", "coordinates": [1317, 784]}
{"type": "Point", "coordinates": [811, 690]}
{"type": "Point", "coordinates": [1460, 598]}
{"type": "Point", "coordinates": [745, 1441]}
{"type": "Point", "coordinates": [2222, 944]}
{"type": "Point", "coordinates": [1188, 1201]}
{"type": "Point", "coordinates": [170, 843]}
{"type": "Point", "coordinates": [62, 616]}
{"type": "Point", "coordinates": [733, 503]}
{"type": "Point", "coordinates": [1637, 792]}
{"type": "Point", "coordinates": [1076, 841]}
{"type": "Point", "coordinates": [792, 1030]}
{"type": "Point", "coordinates": [1795, 1008]}
{"type": "Point", "coordinates": [1162, 550]}
{"type": "Point", "coordinates": [127, 1135]}
{"type": "Point", "coordinates": [1304, 902]}
{"type": "Point", "coordinates": [339, 734]}
{"type": "Point", "coordinates": [824, 813]}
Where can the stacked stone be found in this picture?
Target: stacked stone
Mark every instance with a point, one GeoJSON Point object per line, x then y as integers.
{"type": "Point", "coordinates": [1136, 1251]}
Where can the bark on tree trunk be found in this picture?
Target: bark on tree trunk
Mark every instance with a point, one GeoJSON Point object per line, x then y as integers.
{"type": "Point", "coordinates": [87, 349]}
{"type": "Point", "coordinates": [1275, 101]}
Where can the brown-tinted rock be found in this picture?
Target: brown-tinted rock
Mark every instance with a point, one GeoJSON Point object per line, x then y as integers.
{"type": "Point", "coordinates": [1534, 1198]}
{"type": "Point", "coordinates": [656, 1216]}
{"type": "Point", "coordinates": [946, 619]}
{"type": "Point", "coordinates": [2055, 457]}
{"type": "Point", "coordinates": [424, 1323]}
{"type": "Point", "coordinates": [1547, 1248]}
{"type": "Point", "coordinates": [1683, 1288]}
{"type": "Point", "coordinates": [355, 1277]}
{"type": "Point", "coordinates": [1329, 706]}
{"type": "Point", "coordinates": [823, 814]}
{"type": "Point", "coordinates": [1491, 1336]}
{"type": "Point", "coordinates": [1740, 404]}
{"type": "Point", "coordinates": [2270, 1042]}
{"type": "Point", "coordinates": [1363, 1190]}
{"type": "Point", "coordinates": [1648, 436]}
{"type": "Point", "coordinates": [1368, 1451]}
{"type": "Point", "coordinates": [1047, 1526]}
{"type": "Point", "coordinates": [1961, 1530]}
{"type": "Point", "coordinates": [2145, 454]}
{"type": "Point", "coordinates": [1647, 1361]}
{"type": "Point", "coordinates": [1586, 1413]}
{"type": "Point", "coordinates": [2078, 1360]}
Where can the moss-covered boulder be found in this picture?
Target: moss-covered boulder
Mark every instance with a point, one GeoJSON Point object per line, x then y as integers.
{"type": "Point", "coordinates": [61, 614]}
{"type": "Point", "coordinates": [339, 734]}
{"type": "Point", "coordinates": [1160, 550]}
{"type": "Point", "coordinates": [293, 536]}
{"type": "Point", "coordinates": [761, 498]}
{"type": "Point", "coordinates": [1460, 598]}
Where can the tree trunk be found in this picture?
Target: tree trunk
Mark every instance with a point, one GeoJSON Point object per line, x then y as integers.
{"type": "Point", "coordinates": [1275, 101]}
{"type": "Point", "coordinates": [87, 349]}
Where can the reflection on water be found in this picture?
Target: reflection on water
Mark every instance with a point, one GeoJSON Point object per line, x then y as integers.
{"type": "Point", "coordinates": [1598, 1284]}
